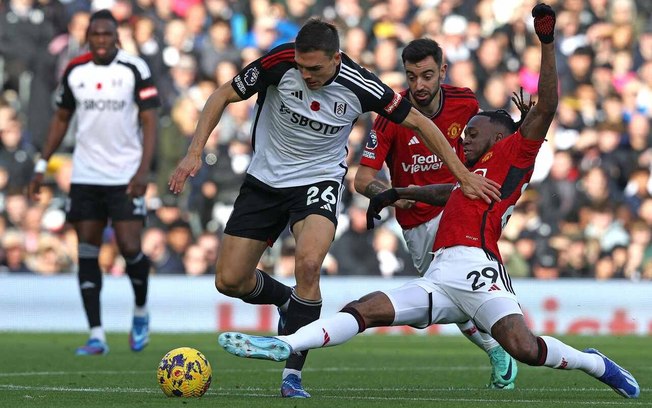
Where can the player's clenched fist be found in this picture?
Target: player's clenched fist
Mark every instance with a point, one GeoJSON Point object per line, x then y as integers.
{"type": "Point", "coordinates": [544, 22]}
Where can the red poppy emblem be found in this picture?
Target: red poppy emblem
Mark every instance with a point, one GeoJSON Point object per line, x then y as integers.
{"type": "Point", "coordinates": [314, 106]}
{"type": "Point", "coordinates": [99, 85]}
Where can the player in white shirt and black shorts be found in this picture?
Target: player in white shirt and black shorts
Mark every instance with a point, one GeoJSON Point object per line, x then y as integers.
{"type": "Point", "coordinates": [114, 99]}
{"type": "Point", "coordinates": [309, 96]}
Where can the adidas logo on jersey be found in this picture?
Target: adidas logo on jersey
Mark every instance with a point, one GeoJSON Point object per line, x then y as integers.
{"type": "Point", "coordinates": [297, 94]}
{"type": "Point", "coordinates": [327, 207]}
{"type": "Point", "coordinates": [493, 287]}
{"type": "Point", "coordinates": [413, 141]}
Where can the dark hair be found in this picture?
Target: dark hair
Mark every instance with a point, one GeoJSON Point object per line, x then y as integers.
{"type": "Point", "coordinates": [318, 35]}
{"type": "Point", "coordinates": [503, 117]}
{"type": "Point", "coordinates": [422, 48]}
{"type": "Point", "coordinates": [103, 14]}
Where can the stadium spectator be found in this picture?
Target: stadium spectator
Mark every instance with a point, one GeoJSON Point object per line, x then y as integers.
{"type": "Point", "coordinates": [295, 174]}
{"type": "Point", "coordinates": [164, 261]}
{"type": "Point", "coordinates": [216, 48]}
{"type": "Point", "coordinates": [114, 99]}
{"type": "Point", "coordinates": [13, 253]}
{"type": "Point", "coordinates": [16, 155]}
{"type": "Point", "coordinates": [195, 262]}
{"type": "Point", "coordinates": [492, 148]}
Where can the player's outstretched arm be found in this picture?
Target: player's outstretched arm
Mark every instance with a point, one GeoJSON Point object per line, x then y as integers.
{"type": "Point", "coordinates": [538, 120]}
{"type": "Point", "coordinates": [433, 194]}
{"type": "Point", "coordinates": [208, 119]}
{"type": "Point", "coordinates": [473, 185]}
{"type": "Point", "coordinates": [57, 130]}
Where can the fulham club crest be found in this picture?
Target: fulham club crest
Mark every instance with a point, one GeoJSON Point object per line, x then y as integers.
{"type": "Point", "coordinates": [339, 109]}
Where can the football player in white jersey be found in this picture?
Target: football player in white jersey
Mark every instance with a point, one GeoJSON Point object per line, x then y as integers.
{"type": "Point", "coordinates": [309, 96]}
{"type": "Point", "coordinates": [114, 99]}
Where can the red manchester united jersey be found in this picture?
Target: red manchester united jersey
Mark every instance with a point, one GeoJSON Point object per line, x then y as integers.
{"type": "Point", "coordinates": [409, 160]}
{"type": "Point", "coordinates": [475, 223]}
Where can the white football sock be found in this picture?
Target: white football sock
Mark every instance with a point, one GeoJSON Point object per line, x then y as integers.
{"type": "Point", "coordinates": [480, 339]}
{"type": "Point", "coordinates": [140, 311]}
{"type": "Point", "coordinates": [288, 371]}
{"type": "Point", "coordinates": [324, 332]}
{"type": "Point", "coordinates": [97, 332]}
{"type": "Point", "coordinates": [564, 356]}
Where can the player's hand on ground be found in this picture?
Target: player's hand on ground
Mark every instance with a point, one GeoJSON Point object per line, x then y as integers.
{"type": "Point", "coordinates": [189, 166]}
{"type": "Point", "coordinates": [478, 186]}
{"type": "Point", "coordinates": [137, 185]}
{"type": "Point", "coordinates": [34, 188]}
{"type": "Point", "coordinates": [544, 22]}
{"type": "Point", "coordinates": [377, 203]}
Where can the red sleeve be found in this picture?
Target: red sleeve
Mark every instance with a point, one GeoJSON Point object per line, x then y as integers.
{"type": "Point", "coordinates": [523, 151]}
{"type": "Point", "coordinates": [378, 144]}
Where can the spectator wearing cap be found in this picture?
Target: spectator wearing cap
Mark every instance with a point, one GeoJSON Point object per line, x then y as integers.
{"type": "Point", "coordinates": [167, 213]}
{"type": "Point", "coordinates": [545, 264]}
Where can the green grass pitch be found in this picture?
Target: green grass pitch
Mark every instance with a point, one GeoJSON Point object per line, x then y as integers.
{"type": "Point", "coordinates": [39, 369]}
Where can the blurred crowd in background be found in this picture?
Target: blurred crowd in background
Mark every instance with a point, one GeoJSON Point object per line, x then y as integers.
{"type": "Point", "coordinates": [586, 214]}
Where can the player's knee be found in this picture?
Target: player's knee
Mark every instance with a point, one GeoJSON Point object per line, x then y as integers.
{"type": "Point", "coordinates": [309, 266]}
{"type": "Point", "coordinates": [130, 250]}
{"type": "Point", "coordinates": [371, 310]}
{"type": "Point", "coordinates": [229, 283]}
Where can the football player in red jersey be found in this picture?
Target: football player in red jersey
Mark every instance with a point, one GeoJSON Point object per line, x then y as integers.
{"type": "Point", "coordinates": [410, 162]}
{"type": "Point", "coordinates": [466, 278]}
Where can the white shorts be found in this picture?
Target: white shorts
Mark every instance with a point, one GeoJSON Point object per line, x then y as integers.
{"type": "Point", "coordinates": [419, 242]}
{"type": "Point", "coordinates": [462, 283]}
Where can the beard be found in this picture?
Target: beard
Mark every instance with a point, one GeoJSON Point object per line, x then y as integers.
{"type": "Point", "coordinates": [427, 101]}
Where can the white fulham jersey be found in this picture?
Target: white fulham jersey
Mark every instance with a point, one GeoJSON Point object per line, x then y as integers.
{"type": "Point", "coordinates": [300, 135]}
{"type": "Point", "coordinates": [106, 100]}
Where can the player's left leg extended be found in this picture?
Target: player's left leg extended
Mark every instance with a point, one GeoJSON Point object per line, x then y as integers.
{"type": "Point", "coordinates": [513, 334]}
